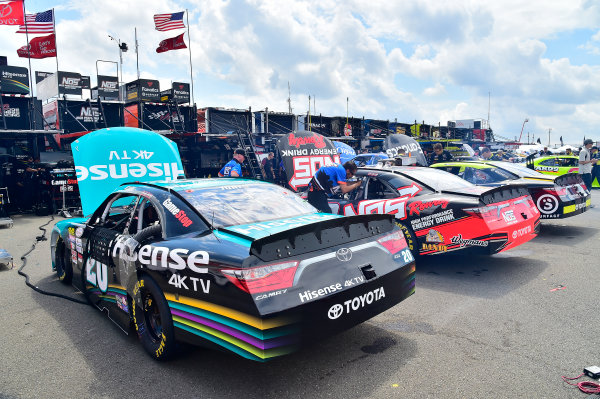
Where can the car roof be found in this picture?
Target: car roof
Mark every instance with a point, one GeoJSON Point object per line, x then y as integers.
{"type": "Point", "coordinates": [191, 184]}
{"type": "Point", "coordinates": [476, 164]}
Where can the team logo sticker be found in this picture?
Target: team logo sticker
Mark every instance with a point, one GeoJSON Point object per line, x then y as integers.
{"type": "Point", "coordinates": [547, 203]}
{"type": "Point", "coordinates": [343, 254]}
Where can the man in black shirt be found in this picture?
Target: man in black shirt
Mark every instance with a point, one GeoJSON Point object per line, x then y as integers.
{"type": "Point", "coordinates": [439, 155]}
{"type": "Point", "coordinates": [268, 164]}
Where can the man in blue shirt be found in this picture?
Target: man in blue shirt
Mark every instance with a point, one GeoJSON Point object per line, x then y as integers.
{"type": "Point", "coordinates": [233, 168]}
{"type": "Point", "coordinates": [327, 177]}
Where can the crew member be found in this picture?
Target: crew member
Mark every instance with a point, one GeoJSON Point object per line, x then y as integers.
{"type": "Point", "coordinates": [269, 167]}
{"type": "Point", "coordinates": [328, 177]}
{"type": "Point", "coordinates": [486, 154]}
{"type": "Point", "coordinates": [568, 151]}
{"type": "Point", "coordinates": [546, 152]}
{"type": "Point", "coordinates": [498, 156]}
{"type": "Point", "coordinates": [596, 168]}
{"type": "Point", "coordinates": [233, 168]}
{"type": "Point", "coordinates": [439, 155]}
{"type": "Point", "coordinates": [586, 162]}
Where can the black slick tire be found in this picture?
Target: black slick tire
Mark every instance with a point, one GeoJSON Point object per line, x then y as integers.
{"type": "Point", "coordinates": [152, 319]}
{"type": "Point", "coordinates": [62, 261]}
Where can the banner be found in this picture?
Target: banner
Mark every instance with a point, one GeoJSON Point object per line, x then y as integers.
{"type": "Point", "coordinates": [395, 142]}
{"type": "Point", "coordinates": [85, 82]}
{"type": "Point", "coordinates": [106, 158]}
{"type": "Point", "coordinates": [89, 115]}
{"type": "Point", "coordinates": [344, 150]}
{"type": "Point", "coordinates": [70, 83]}
{"type": "Point", "coordinates": [163, 117]}
{"type": "Point", "coordinates": [14, 80]}
{"type": "Point", "coordinates": [11, 13]}
{"type": "Point", "coordinates": [108, 86]}
{"type": "Point", "coordinates": [143, 90]}
{"type": "Point", "coordinates": [39, 47]}
{"type": "Point", "coordinates": [173, 43]}
{"type": "Point", "coordinates": [181, 92]}
{"type": "Point", "coordinates": [16, 112]}
{"type": "Point", "coordinates": [303, 153]}
{"type": "Point", "coordinates": [39, 76]}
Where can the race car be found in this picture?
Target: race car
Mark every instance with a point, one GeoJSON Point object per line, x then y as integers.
{"type": "Point", "coordinates": [555, 165]}
{"type": "Point", "coordinates": [238, 265]}
{"type": "Point", "coordinates": [555, 196]}
{"type": "Point", "coordinates": [440, 213]}
{"type": "Point", "coordinates": [369, 159]}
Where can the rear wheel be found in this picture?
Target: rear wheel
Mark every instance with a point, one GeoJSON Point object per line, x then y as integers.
{"type": "Point", "coordinates": [152, 319]}
{"type": "Point", "coordinates": [62, 260]}
{"type": "Point", "coordinates": [411, 239]}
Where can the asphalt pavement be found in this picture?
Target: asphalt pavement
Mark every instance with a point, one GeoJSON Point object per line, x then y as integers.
{"type": "Point", "coordinates": [505, 326]}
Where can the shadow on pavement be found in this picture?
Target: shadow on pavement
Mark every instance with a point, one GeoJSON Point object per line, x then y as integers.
{"type": "Point", "coordinates": [478, 276]}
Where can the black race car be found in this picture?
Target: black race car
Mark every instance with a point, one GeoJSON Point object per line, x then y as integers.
{"type": "Point", "coordinates": [439, 212]}
{"type": "Point", "coordinates": [239, 265]}
{"type": "Point", "coordinates": [555, 196]}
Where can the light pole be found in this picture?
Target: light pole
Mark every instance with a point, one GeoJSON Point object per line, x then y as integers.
{"type": "Point", "coordinates": [549, 130]}
{"type": "Point", "coordinates": [122, 48]}
{"type": "Point", "coordinates": [525, 121]}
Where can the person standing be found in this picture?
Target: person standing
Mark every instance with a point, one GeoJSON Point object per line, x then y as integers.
{"type": "Point", "coordinates": [233, 168]}
{"type": "Point", "coordinates": [486, 154]}
{"type": "Point", "coordinates": [596, 168]}
{"type": "Point", "coordinates": [268, 164]}
{"type": "Point", "coordinates": [586, 162]}
{"type": "Point", "coordinates": [546, 152]}
{"type": "Point", "coordinates": [439, 155]}
{"type": "Point", "coordinates": [328, 177]}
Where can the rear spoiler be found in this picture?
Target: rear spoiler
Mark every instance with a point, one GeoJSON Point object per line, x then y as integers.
{"type": "Point", "coordinates": [568, 179]}
{"type": "Point", "coordinates": [503, 193]}
{"type": "Point", "coordinates": [320, 235]}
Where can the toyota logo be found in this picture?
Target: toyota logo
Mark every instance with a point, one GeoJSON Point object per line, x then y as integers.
{"type": "Point", "coordinates": [343, 254]}
{"type": "Point", "coordinates": [335, 311]}
{"type": "Point", "coordinates": [5, 11]}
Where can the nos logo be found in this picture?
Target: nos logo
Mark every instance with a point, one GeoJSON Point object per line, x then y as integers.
{"type": "Point", "coordinates": [97, 274]}
{"type": "Point", "coordinates": [109, 85]}
{"type": "Point", "coordinates": [70, 82]}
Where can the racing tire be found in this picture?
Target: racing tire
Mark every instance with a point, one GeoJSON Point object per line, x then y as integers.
{"type": "Point", "coordinates": [62, 261]}
{"type": "Point", "coordinates": [411, 239]}
{"type": "Point", "coordinates": [152, 319]}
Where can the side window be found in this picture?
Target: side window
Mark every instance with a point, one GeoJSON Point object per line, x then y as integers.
{"type": "Point", "coordinates": [376, 189]}
{"type": "Point", "coordinates": [146, 216]}
{"type": "Point", "coordinates": [569, 162]}
{"type": "Point", "coordinates": [117, 213]}
{"type": "Point", "coordinates": [548, 162]}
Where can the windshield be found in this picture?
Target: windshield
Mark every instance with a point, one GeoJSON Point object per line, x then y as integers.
{"type": "Point", "coordinates": [233, 205]}
{"type": "Point", "coordinates": [439, 180]}
{"type": "Point", "coordinates": [519, 169]}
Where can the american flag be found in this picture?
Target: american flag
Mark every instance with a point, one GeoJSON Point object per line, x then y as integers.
{"type": "Point", "coordinates": [42, 22]}
{"type": "Point", "coordinates": [166, 22]}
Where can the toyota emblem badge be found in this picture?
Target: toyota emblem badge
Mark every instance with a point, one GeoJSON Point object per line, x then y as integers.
{"type": "Point", "coordinates": [343, 254]}
{"type": "Point", "coordinates": [335, 311]}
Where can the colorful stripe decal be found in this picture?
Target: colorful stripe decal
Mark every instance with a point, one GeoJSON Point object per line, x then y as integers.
{"type": "Point", "coordinates": [243, 334]}
{"type": "Point", "coordinates": [110, 294]}
{"type": "Point", "coordinates": [262, 324]}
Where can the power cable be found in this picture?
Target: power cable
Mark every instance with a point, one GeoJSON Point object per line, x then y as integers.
{"type": "Point", "coordinates": [24, 259]}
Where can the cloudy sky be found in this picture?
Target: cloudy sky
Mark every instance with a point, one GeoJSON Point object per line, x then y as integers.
{"type": "Point", "coordinates": [408, 60]}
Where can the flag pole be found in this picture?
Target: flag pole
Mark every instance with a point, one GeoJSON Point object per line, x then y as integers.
{"type": "Point", "coordinates": [137, 57]}
{"type": "Point", "coordinates": [56, 49]}
{"type": "Point", "coordinates": [187, 16]}
{"type": "Point", "coordinates": [30, 77]}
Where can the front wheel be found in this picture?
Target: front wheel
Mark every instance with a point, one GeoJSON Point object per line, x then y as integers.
{"type": "Point", "coordinates": [152, 319]}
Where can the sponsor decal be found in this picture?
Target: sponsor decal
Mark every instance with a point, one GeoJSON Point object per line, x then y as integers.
{"type": "Point", "coordinates": [576, 207]}
{"type": "Point", "coordinates": [174, 259]}
{"type": "Point", "coordinates": [409, 191]}
{"type": "Point", "coordinates": [270, 294]}
{"type": "Point", "coordinates": [521, 232]}
{"type": "Point", "coordinates": [343, 254]}
{"type": "Point", "coordinates": [395, 206]}
{"type": "Point", "coordinates": [430, 220]}
{"type": "Point", "coordinates": [315, 294]}
{"type": "Point", "coordinates": [547, 203]}
{"type": "Point", "coordinates": [509, 217]}
{"type": "Point", "coordinates": [462, 242]}
{"type": "Point", "coordinates": [434, 248]}
{"type": "Point", "coordinates": [122, 303]}
{"type": "Point", "coordinates": [178, 213]}
{"type": "Point", "coordinates": [62, 182]}
{"type": "Point", "coordinates": [546, 168]}
{"type": "Point", "coordinates": [194, 283]}
{"type": "Point", "coordinates": [418, 206]}
{"type": "Point", "coordinates": [305, 167]}
{"type": "Point", "coordinates": [9, 112]}
{"type": "Point", "coordinates": [358, 302]}
{"type": "Point", "coordinates": [434, 236]}
{"type": "Point", "coordinates": [79, 232]}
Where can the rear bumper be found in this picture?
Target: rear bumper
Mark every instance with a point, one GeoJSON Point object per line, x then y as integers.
{"type": "Point", "coordinates": [570, 208]}
{"type": "Point", "coordinates": [264, 338]}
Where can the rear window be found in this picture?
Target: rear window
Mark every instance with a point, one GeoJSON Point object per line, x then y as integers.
{"type": "Point", "coordinates": [439, 180]}
{"type": "Point", "coordinates": [487, 175]}
{"type": "Point", "coordinates": [521, 170]}
{"type": "Point", "coordinates": [243, 204]}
